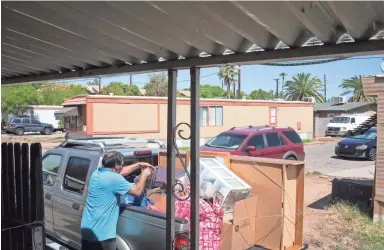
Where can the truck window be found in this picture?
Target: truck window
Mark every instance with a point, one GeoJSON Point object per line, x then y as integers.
{"type": "Point", "coordinates": [353, 120]}
{"type": "Point", "coordinates": [76, 174]}
{"type": "Point", "coordinates": [17, 121]}
{"type": "Point", "coordinates": [26, 121]}
{"type": "Point", "coordinates": [51, 164]}
{"type": "Point", "coordinates": [257, 141]}
{"type": "Point", "coordinates": [35, 121]}
{"type": "Point", "coordinates": [274, 140]}
{"type": "Point", "coordinates": [293, 137]}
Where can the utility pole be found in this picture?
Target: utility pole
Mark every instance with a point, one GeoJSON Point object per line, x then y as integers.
{"type": "Point", "coordinates": [239, 84]}
{"type": "Point", "coordinates": [277, 87]}
{"type": "Point", "coordinates": [325, 88]}
{"type": "Point", "coordinates": [99, 80]}
{"type": "Point", "coordinates": [130, 85]}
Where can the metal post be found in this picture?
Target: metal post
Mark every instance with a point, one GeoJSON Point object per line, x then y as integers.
{"type": "Point", "coordinates": [171, 124]}
{"type": "Point", "coordinates": [195, 156]}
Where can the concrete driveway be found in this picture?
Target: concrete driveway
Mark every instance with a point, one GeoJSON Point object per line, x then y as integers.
{"type": "Point", "coordinates": [321, 157]}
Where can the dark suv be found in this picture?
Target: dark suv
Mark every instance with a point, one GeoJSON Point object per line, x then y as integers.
{"type": "Point", "coordinates": [21, 124]}
{"type": "Point", "coordinates": [259, 141]}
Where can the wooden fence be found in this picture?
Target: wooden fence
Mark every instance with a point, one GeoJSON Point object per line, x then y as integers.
{"type": "Point", "coordinates": [22, 203]}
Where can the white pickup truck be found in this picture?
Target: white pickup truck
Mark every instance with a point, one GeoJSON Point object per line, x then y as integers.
{"type": "Point", "coordinates": [344, 125]}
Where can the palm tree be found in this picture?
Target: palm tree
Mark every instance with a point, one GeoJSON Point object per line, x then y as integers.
{"type": "Point", "coordinates": [303, 85]}
{"type": "Point", "coordinates": [354, 85]}
{"type": "Point", "coordinates": [228, 75]}
{"type": "Point", "coordinates": [283, 75]}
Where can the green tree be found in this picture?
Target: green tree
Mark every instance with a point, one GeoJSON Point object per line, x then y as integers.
{"type": "Point", "coordinates": [261, 94]}
{"type": "Point", "coordinates": [210, 91]}
{"type": "Point", "coordinates": [354, 86]}
{"type": "Point", "coordinates": [303, 85]}
{"type": "Point", "coordinates": [56, 94]}
{"type": "Point", "coordinates": [157, 85]}
{"type": "Point", "coordinates": [16, 99]}
{"type": "Point", "coordinates": [127, 90]}
{"type": "Point", "coordinates": [114, 88]}
{"type": "Point", "coordinates": [228, 75]}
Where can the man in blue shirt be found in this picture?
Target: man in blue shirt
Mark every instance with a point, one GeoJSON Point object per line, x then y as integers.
{"type": "Point", "coordinates": [106, 185]}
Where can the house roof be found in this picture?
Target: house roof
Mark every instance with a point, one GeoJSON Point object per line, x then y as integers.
{"type": "Point", "coordinates": [344, 107]}
{"type": "Point", "coordinates": [185, 93]}
{"type": "Point", "coordinates": [83, 99]}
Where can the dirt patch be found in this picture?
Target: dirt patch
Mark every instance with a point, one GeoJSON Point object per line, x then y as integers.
{"type": "Point", "coordinates": [328, 226]}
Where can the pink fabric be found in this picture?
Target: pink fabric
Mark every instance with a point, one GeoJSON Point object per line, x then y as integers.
{"type": "Point", "coordinates": [210, 221]}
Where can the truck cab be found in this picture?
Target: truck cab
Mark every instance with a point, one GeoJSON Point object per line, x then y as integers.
{"type": "Point", "coordinates": [66, 173]}
{"type": "Point", "coordinates": [344, 125]}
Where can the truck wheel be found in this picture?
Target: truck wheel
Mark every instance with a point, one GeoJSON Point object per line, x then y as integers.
{"type": "Point", "coordinates": [292, 158]}
{"type": "Point", "coordinates": [19, 131]}
{"type": "Point", "coordinates": [348, 134]}
{"type": "Point", "coordinates": [372, 154]}
{"type": "Point", "coordinates": [47, 131]}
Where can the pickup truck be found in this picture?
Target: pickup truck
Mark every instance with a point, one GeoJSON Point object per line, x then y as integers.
{"type": "Point", "coordinates": [66, 171]}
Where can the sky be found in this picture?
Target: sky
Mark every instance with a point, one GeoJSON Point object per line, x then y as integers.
{"type": "Point", "coordinates": [262, 77]}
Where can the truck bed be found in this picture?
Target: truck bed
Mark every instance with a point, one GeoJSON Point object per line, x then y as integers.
{"type": "Point", "coordinates": [137, 224]}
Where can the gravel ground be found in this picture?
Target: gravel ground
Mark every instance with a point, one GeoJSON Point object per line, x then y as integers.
{"type": "Point", "coordinates": [321, 157]}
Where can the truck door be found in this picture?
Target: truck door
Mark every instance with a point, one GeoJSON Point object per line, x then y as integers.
{"type": "Point", "coordinates": [52, 163]}
{"type": "Point", "coordinates": [27, 125]}
{"type": "Point", "coordinates": [69, 201]}
{"type": "Point", "coordinates": [276, 146]}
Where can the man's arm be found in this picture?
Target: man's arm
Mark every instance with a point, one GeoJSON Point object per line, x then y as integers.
{"type": "Point", "coordinates": [131, 168]}
{"type": "Point", "coordinates": [138, 188]}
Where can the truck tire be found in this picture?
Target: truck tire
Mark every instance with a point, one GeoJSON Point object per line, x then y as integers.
{"type": "Point", "coordinates": [121, 244]}
{"type": "Point", "coordinates": [47, 131]}
{"type": "Point", "coordinates": [19, 131]}
{"type": "Point", "coordinates": [348, 134]}
{"type": "Point", "coordinates": [292, 158]}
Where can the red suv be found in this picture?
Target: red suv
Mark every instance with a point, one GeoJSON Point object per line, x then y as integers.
{"type": "Point", "coordinates": [259, 141]}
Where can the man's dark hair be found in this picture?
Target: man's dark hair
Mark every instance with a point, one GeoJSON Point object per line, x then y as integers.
{"type": "Point", "coordinates": [111, 159]}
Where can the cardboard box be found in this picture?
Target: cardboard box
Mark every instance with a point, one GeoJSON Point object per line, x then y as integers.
{"type": "Point", "coordinates": [238, 230]}
{"type": "Point", "coordinates": [159, 200]}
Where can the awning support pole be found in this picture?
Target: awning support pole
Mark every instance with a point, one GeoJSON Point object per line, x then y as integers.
{"type": "Point", "coordinates": [171, 124]}
{"type": "Point", "coordinates": [195, 156]}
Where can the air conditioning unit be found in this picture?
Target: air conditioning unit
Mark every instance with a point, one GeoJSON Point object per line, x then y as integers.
{"type": "Point", "coordinates": [337, 100]}
{"type": "Point", "coordinates": [309, 99]}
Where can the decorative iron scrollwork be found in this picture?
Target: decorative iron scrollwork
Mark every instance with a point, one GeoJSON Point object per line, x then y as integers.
{"type": "Point", "coordinates": [179, 190]}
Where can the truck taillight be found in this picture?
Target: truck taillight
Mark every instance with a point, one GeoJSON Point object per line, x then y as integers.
{"type": "Point", "coordinates": [181, 242]}
{"type": "Point", "coordinates": [141, 153]}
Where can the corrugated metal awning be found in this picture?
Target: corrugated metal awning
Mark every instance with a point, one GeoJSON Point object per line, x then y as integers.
{"type": "Point", "coordinates": [67, 111]}
{"type": "Point", "coordinates": [59, 40]}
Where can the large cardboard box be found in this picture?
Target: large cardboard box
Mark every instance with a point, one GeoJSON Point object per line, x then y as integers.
{"type": "Point", "coordinates": [238, 231]}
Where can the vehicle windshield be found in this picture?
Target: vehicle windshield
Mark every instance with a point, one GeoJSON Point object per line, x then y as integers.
{"type": "Point", "coordinates": [370, 135]}
{"type": "Point", "coordinates": [226, 140]}
{"type": "Point", "coordinates": [340, 119]}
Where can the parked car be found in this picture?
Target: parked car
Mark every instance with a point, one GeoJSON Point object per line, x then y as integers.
{"type": "Point", "coordinates": [259, 141]}
{"type": "Point", "coordinates": [66, 172]}
{"type": "Point", "coordinates": [344, 125]}
{"type": "Point", "coordinates": [359, 146]}
{"type": "Point", "coordinates": [21, 124]}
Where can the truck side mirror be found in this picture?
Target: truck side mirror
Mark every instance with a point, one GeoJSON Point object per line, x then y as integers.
{"type": "Point", "coordinates": [250, 148]}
